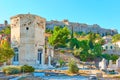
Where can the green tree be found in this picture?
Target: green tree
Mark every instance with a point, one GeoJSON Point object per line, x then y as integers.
{"type": "Point", "coordinates": [84, 54]}
{"type": "Point", "coordinates": [93, 37]}
{"type": "Point", "coordinates": [101, 41]}
{"type": "Point", "coordinates": [97, 50]}
{"type": "Point", "coordinates": [77, 51]}
{"type": "Point", "coordinates": [73, 42]}
{"type": "Point", "coordinates": [106, 56]}
{"type": "Point", "coordinates": [84, 45]}
{"type": "Point", "coordinates": [6, 31]}
{"type": "Point", "coordinates": [49, 31]}
{"type": "Point", "coordinates": [114, 57]}
{"type": "Point", "coordinates": [116, 37]}
{"type": "Point", "coordinates": [90, 43]}
{"type": "Point", "coordinates": [59, 36]}
{"type": "Point", "coordinates": [6, 53]}
{"type": "Point", "coordinates": [89, 50]}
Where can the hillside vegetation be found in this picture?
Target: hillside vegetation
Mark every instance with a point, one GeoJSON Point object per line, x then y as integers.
{"type": "Point", "coordinates": [86, 47]}
{"type": "Point", "coordinates": [116, 38]}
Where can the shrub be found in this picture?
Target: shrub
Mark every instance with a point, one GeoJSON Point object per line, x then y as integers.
{"type": "Point", "coordinates": [17, 69]}
{"type": "Point", "coordinates": [27, 68]}
{"type": "Point", "coordinates": [73, 67]}
{"type": "Point", "coordinates": [11, 70]}
{"type": "Point", "coordinates": [106, 56]}
{"type": "Point", "coordinates": [62, 51]}
{"type": "Point", "coordinates": [62, 63]}
{"type": "Point", "coordinates": [114, 57]}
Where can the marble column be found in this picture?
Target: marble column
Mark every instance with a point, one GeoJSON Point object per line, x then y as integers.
{"type": "Point", "coordinates": [110, 64]}
{"type": "Point", "coordinates": [103, 65]}
{"type": "Point", "coordinates": [43, 58]}
{"type": "Point", "coordinates": [49, 60]}
{"type": "Point", "coordinates": [118, 63]}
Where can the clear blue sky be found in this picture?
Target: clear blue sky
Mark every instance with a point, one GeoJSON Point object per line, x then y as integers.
{"type": "Point", "coordinates": [106, 13]}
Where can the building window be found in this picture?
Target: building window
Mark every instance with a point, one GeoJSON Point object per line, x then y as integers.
{"type": "Point", "coordinates": [111, 47]}
{"type": "Point", "coordinates": [16, 56]}
{"type": "Point", "coordinates": [27, 28]}
{"type": "Point", "coordinates": [40, 56]}
{"type": "Point", "coordinates": [106, 47]}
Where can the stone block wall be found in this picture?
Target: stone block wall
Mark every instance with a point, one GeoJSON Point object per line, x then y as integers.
{"type": "Point", "coordinates": [28, 32]}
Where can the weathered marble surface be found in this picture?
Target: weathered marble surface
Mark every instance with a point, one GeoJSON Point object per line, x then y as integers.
{"type": "Point", "coordinates": [28, 31]}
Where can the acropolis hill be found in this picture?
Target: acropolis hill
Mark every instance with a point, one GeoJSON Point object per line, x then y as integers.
{"type": "Point", "coordinates": [81, 27]}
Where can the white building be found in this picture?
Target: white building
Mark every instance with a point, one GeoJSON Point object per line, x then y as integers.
{"type": "Point", "coordinates": [108, 46]}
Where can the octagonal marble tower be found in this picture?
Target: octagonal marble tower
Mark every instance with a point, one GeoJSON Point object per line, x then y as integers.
{"type": "Point", "coordinates": [27, 39]}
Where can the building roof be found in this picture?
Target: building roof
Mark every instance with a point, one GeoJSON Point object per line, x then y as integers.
{"type": "Point", "coordinates": [22, 15]}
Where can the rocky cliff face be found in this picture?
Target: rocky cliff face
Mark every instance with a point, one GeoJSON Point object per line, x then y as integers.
{"type": "Point", "coordinates": [80, 27]}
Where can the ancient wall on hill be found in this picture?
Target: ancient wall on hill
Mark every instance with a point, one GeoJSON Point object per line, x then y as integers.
{"type": "Point", "coordinates": [80, 27]}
